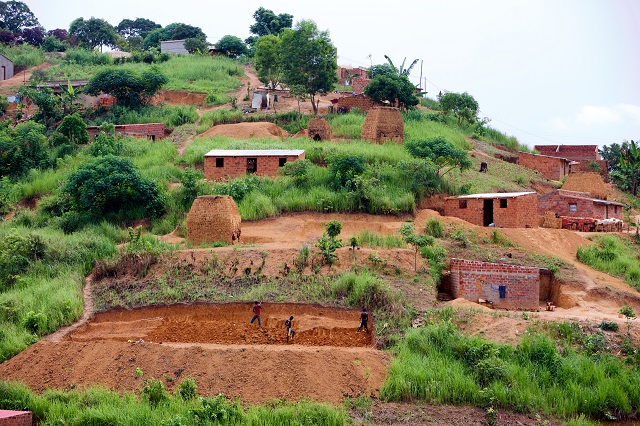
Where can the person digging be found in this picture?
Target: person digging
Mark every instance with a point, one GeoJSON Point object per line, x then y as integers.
{"type": "Point", "coordinates": [288, 323]}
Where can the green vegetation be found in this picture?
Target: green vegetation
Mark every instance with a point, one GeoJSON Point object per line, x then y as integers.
{"type": "Point", "coordinates": [614, 255]}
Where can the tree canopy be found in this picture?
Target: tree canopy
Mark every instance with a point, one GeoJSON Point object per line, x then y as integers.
{"type": "Point", "coordinates": [268, 23]}
{"type": "Point", "coordinates": [231, 46]}
{"type": "Point", "coordinates": [392, 87]}
{"type": "Point", "coordinates": [93, 32]}
{"type": "Point", "coordinates": [461, 105]}
{"type": "Point", "coordinates": [16, 15]}
{"type": "Point", "coordinates": [626, 167]}
{"type": "Point", "coordinates": [74, 128]}
{"type": "Point", "coordinates": [23, 148]}
{"type": "Point", "coordinates": [129, 88]}
{"type": "Point", "coordinates": [442, 153]}
{"type": "Point", "coordinates": [309, 59]}
{"type": "Point", "coordinates": [139, 27]}
{"type": "Point", "coordinates": [175, 31]}
{"type": "Point", "coordinates": [380, 69]}
{"type": "Point", "coordinates": [267, 60]}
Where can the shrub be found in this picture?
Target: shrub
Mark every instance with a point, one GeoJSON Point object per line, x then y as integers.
{"type": "Point", "coordinates": [153, 391]}
{"type": "Point", "coordinates": [188, 389]}
{"type": "Point", "coordinates": [433, 227]}
{"type": "Point", "coordinates": [298, 171]}
{"type": "Point", "coordinates": [608, 325]}
{"type": "Point", "coordinates": [344, 169]}
{"type": "Point", "coordinates": [129, 88]}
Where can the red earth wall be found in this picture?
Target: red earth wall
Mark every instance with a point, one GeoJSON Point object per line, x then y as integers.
{"type": "Point", "coordinates": [553, 168]}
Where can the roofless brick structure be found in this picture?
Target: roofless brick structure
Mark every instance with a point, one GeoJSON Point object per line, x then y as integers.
{"type": "Point", "coordinates": [221, 164]}
{"type": "Point", "coordinates": [504, 210]}
{"type": "Point", "coordinates": [213, 218]}
{"type": "Point", "coordinates": [572, 152]}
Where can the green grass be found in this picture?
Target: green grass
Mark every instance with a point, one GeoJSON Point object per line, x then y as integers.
{"type": "Point", "coordinates": [369, 239]}
{"type": "Point", "coordinates": [346, 125]}
{"type": "Point", "coordinates": [424, 128]}
{"type": "Point", "coordinates": [23, 55]}
{"type": "Point", "coordinates": [615, 256]}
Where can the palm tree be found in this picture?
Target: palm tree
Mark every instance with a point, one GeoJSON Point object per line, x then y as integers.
{"type": "Point", "coordinates": [402, 70]}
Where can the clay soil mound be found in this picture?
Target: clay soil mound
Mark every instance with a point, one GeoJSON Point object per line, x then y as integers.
{"type": "Point", "coordinates": [179, 97]}
{"type": "Point", "coordinates": [216, 345]}
{"type": "Point", "coordinates": [246, 131]}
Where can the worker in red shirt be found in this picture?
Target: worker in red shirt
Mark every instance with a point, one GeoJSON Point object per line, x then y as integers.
{"type": "Point", "coordinates": [256, 313]}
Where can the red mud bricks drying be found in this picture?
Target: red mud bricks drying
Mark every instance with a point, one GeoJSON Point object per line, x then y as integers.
{"type": "Point", "coordinates": [504, 210]}
{"type": "Point", "coordinates": [572, 152]}
{"type": "Point", "coordinates": [383, 124]}
{"type": "Point", "coordinates": [151, 131]}
{"type": "Point", "coordinates": [505, 286]}
{"type": "Point", "coordinates": [319, 129]}
{"type": "Point", "coordinates": [578, 204]}
{"type": "Point", "coordinates": [221, 164]}
{"type": "Point", "coordinates": [15, 418]}
{"type": "Point", "coordinates": [554, 168]}
{"type": "Point", "coordinates": [213, 218]}
{"type": "Point", "coordinates": [591, 183]}
{"type": "Point", "coordinates": [362, 102]}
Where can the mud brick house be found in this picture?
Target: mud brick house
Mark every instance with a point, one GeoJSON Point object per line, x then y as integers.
{"type": "Point", "coordinates": [505, 286]}
{"type": "Point", "coordinates": [221, 164]}
{"type": "Point", "coordinates": [15, 418]}
{"type": "Point", "coordinates": [554, 168]}
{"type": "Point", "coordinates": [578, 204]}
{"type": "Point", "coordinates": [572, 152]}
{"type": "Point", "coordinates": [151, 131]}
{"type": "Point", "coordinates": [504, 210]}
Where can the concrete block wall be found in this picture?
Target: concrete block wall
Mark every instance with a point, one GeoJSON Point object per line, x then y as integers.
{"type": "Point", "coordinates": [521, 212]}
{"type": "Point", "coordinates": [473, 280]}
{"type": "Point", "coordinates": [15, 418]}
{"type": "Point", "coordinates": [553, 168]}
{"type": "Point", "coordinates": [237, 166]}
{"type": "Point", "coordinates": [558, 201]}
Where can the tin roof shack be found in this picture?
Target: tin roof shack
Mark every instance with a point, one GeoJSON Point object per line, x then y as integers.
{"type": "Point", "coordinates": [221, 164]}
{"type": "Point", "coordinates": [572, 152]}
{"type": "Point", "coordinates": [578, 204]}
{"type": "Point", "coordinates": [504, 286]}
{"type": "Point", "coordinates": [504, 210]}
{"type": "Point", "coordinates": [6, 72]}
{"type": "Point", "coordinates": [554, 168]}
{"type": "Point", "coordinates": [173, 46]}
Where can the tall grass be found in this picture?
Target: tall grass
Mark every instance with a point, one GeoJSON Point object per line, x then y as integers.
{"type": "Point", "coordinates": [369, 239]}
{"type": "Point", "coordinates": [346, 125]}
{"type": "Point", "coordinates": [615, 256]}
{"type": "Point", "coordinates": [496, 137]}
{"type": "Point", "coordinates": [23, 55]}
{"type": "Point", "coordinates": [425, 128]}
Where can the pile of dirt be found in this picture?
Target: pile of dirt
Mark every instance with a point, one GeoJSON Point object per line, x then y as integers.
{"type": "Point", "coordinates": [383, 124]}
{"type": "Point", "coordinates": [247, 131]}
{"type": "Point", "coordinates": [587, 182]}
{"type": "Point", "coordinates": [213, 218]}
{"type": "Point", "coordinates": [178, 97]}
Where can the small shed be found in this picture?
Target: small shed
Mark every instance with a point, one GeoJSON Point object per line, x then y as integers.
{"type": "Point", "coordinates": [383, 124]}
{"type": "Point", "coordinates": [319, 129]}
{"type": "Point", "coordinates": [173, 46]}
{"type": "Point", "coordinates": [6, 72]}
{"type": "Point", "coordinates": [578, 204]}
{"type": "Point", "coordinates": [213, 218]}
{"type": "Point", "coordinates": [502, 210]}
{"type": "Point", "coordinates": [221, 164]}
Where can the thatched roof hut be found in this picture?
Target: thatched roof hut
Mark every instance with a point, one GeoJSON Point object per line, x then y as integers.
{"type": "Point", "coordinates": [213, 218]}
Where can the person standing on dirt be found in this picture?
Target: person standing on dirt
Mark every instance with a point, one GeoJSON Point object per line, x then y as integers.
{"type": "Point", "coordinates": [364, 319]}
{"type": "Point", "coordinates": [256, 313]}
{"type": "Point", "coordinates": [288, 323]}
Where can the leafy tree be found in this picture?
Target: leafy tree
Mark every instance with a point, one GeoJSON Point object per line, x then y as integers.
{"type": "Point", "coordinates": [74, 129]}
{"type": "Point", "coordinates": [268, 23]}
{"type": "Point", "coordinates": [382, 69]}
{"type": "Point", "coordinates": [34, 36]}
{"type": "Point", "coordinates": [52, 44]}
{"type": "Point", "coordinates": [391, 88]}
{"type": "Point", "coordinates": [22, 149]}
{"type": "Point", "coordinates": [139, 27]}
{"type": "Point", "coordinates": [613, 152]}
{"type": "Point", "coordinates": [184, 31]}
{"type": "Point", "coordinates": [309, 60]}
{"type": "Point", "coordinates": [49, 110]}
{"type": "Point", "coordinates": [231, 46]}
{"type": "Point", "coordinates": [7, 37]}
{"type": "Point", "coordinates": [267, 60]}
{"type": "Point", "coordinates": [112, 187]}
{"type": "Point", "coordinates": [402, 70]}
{"type": "Point", "coordinates": [421, 176]}
{"type": "Point", "coordinates": [344, 168]}
{"type": "Point", "coordinates": [129, 88]}
{"type": "Point", "coordinates": [627, 172]}
{"type": "Point", "coordinates": [15, 15]}
{"type": "Point", "coordinates": [417, 241]}
{"type": "Point", "coordinates": [59, 33]}
{"type": "Point", "coordinates": [462, 105]}
{"type": "Point", "coordinates": [329, 242]}
{"type": "Point", "coordinates": [441, 152]}
{"type": "Point", "coordinates": [175, 31]}
{"type": "Point", "coordinates": [93, 32]}
{"type": "Point", "coordinates": [194, 45]}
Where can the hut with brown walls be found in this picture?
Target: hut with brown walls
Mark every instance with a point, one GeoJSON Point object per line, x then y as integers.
{"type": "Point", "coordinates": [319, 129]}
{"type": "Point", "coordinates": [213, 218]}
{"type": "Point", "coordinates": [502, 210]}
{"type": "Point", "coordinates": [383, 124]}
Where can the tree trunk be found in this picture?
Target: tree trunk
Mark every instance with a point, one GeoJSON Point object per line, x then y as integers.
{"type": "Point", "coordinates": [313, 104]}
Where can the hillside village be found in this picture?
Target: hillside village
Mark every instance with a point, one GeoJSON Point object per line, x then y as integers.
{"type": "Point", "coordinates": [152, 196]}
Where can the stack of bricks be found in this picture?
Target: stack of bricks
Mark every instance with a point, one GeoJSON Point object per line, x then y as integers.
{"type": "Point", "coordinates": [362, 102]}
{"type": "Point", "coordinates": [359, 83]}
{"type": "Point", "coordinates": [582, 224]}
{"type": "Point", "coordinates": [213, 218]}
{"type": "Point", "coordinates": [549, 220]}
{"type": "Point", "coordinates": [475, 281]}
{"type": "Point", "coordinates": [15, 418]}
{"type": "Point", "coordinates": [383, 124]}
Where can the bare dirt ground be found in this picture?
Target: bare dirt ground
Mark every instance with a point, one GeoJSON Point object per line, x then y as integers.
{"type": "Point", "coordinates": [246, 131]}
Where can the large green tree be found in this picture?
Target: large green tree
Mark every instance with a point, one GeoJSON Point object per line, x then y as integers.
{"type": "Point", "coordinates": [626, 173]}
{"type": "Point", "coordinates": [391, 88]}
{"type": "Point", "coordinates": [267, 60]}
{"type": "Point", "coordinates": [139, 27]}
{"type": "Point", "coordinates": [23, 148]}
{"type": "Point", "coordinates": [129, 88]}
{"type": "Point", "coordinates": [268, 23]}
{"type": "Point", "coordinates": [442, 153]}
{"type": "Point", "coordinates": [175, 31]}
{"type": "Point", "coordinates": [74, 128]}
{"type": "Point", "coordinates": [309, 60]}
{"type": "Point", "coordinates": [16, 15]}
{"type": "Point", "coordinates": [231, 46]}
{"type": "Point", "coordinates": [462, 105]}
{"type": "Point", "coordinates": [93, 32]}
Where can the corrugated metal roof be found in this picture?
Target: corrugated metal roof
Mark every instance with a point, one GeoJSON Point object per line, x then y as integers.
{"type": "Point", "coordinates": [253, 152]}
{"type": "Point", "coordinates": [497, 195]}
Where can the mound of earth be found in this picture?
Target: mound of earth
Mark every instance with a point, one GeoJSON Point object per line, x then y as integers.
{"type": "Point", "coordinates": [246, 131]}
{"type": "Point", "coordinates": [216, 345]}
{"type": "Point", "coordinates": [179, 97]}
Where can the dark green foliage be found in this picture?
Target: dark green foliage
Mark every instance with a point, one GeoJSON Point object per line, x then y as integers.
{"type": "Point", "coordinates": [15, 15]}
{"type": "Point", "coordinates": [441, 152]}
{"type": "Point", "coordinates": [153, 391]}
{"type": "Point", "coordinates": [196, 45]}
{"type": "Point", "coordinates": [191, 186]}
{"type": "Point", "coordinates": [74, 129]}
{"type": "Point", "coordinates": [22, 149]}
{"type": "Point", "coordinates": [93, 32]}
{"type": "Point", "coordinates": [297, 170]}
{"type": "Point", "coordinates": [267, 60]}
{"type": "Point", "coordinates": [175, 31]}
{"type": "Point", "coordinates": [17, 253]}
{"type": "Point", "coordinates": [333, 228]}
{"type": "Point", "coordinates": [188, 389]}
{"type": "Point", "coordinates": [129, 88]}
{"type": "Point", "coordinates": [112, 188]}
{"type": "Point", "coordinates": [378, 70]}
{"type": "Point", "coordinates": [421, 176]}
{"type": "Point", "coordinates": [462, 105]}
{"type": "Point", "coordinates": [608, 325]}
{"type": "Point", "coordinates": [364, 289]}
{"type": "Point", "coordinates": [268, 23]}
{"type": "Point", "coordinates": [344, 169]}
{"type": "Point", "coordinates": [391, 87]}
{"type": "Point", "coordinates": [139, 27]}
{"type": "Point", "coordinates": [231, 46]}
{"type": "Point", "coordinates": [329, 242]}
{"type": "Point", "coordinates": [49, 105]}
{"type": "Point", "coordinates": [627, 173]}
{"type": "Point", "coordinates": [433, 227]}
{"type": "Point", "coordinates": [218, 411]}
{"type": "Point", "coordinates": [105, 144]}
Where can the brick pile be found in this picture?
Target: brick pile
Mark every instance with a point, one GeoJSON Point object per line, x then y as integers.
{"type": "Point", "coordinates": [362, 102]}
{"type": "Point", "coordinates": [549, 220]}
{"type": "Point", "coordinates": [383, 124]}
{"type": "Point", "coordinates": [589, 224]}
{"type": "Point", "coordinates": [359, 84]}
{"type": "Point", "coordinates": [319, 129]}
{"type": "Point", "coordinates": [586, 182]}
{"type": "Point", "coordinates": [15, 418]}
{"type": "Point", "coordinates": [475, 281]}
{"type": "Point", "coordinates": [213, 218]}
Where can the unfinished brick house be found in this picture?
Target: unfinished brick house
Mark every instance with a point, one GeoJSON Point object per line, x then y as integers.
{"type": "Point", "coordinates": [504, 286]}
{"type": "Point", "coordinates": [578, 204]}
{"type": "Point", "coordinates": [151, 131]}
{"type": "Point", "coordinates": [554, 168]}
{"type": "Point", "coordinates": [15, 418]}
{"type": "Point", "coordinates": [503, 210]}
{"type": "Point", "coordinates": [221, 164]}
{"type": "Point", "coordinates": [571, 152]}
{"type": "Point", "coordinates": [343, 74]}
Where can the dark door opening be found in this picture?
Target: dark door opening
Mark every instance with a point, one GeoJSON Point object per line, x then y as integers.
{"type": "Point", "coordinates": [488, 212]}
{"type": "Point", "coordinates": [252, 165]}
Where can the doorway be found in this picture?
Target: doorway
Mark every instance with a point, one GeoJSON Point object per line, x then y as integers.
{"type": "Point", "coordinates": [252, 165]}
{"type": "Point", "coordinates": [488, 213]}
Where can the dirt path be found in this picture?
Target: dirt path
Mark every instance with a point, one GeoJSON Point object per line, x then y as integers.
{"type": "Point", "coordinates": [9, 86]}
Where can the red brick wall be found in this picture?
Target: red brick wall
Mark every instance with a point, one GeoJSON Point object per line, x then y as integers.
{"type": "Point", "coordinates": [15, 418]}
{"type": "Point", "coordinates": [358, 84]}
{"type": "Point", "coordinates": [585, 166]}
{"type": "Point", "coordinates": [558, 202]}
{"type": "Point", "coordinates": [475, 280]}
{"type": "Point", "coordinates": [553, 168]}
{"type": "Point", "coordinates": [149, 131]}
{"type": "Point", "coordinates": [571, 152]}
{"type": "Point", "coordinates": [364, 103]}
{"type": "Point", "coordinates": [521, 212]}
{"type": "Point", "coordinates": [237, 166]}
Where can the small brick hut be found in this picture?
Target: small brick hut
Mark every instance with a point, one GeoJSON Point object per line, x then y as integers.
{"type": "Point", "coordinates": [554, 168]}
{"type": "Point", "coordinates": [221, 164]}
{"type": "Point", "coordinates": [151, 131]}
{"type": "Point", "coordinates": [319, 129]}
{"type": "Point", "coordinates": [505, 286]}
{"type": "Point", "coordinates": [578, 204]}
{"type": "Point", "coordinates": [6, 70]}
{"type": "Point", "coordinates": [213, 218]}
{"type": "Point", "coordinates": [572, 152]}
{"type": "Point", "coordinates": [504, 210]}
{"type": "Point", "coordinates": [383, 124]}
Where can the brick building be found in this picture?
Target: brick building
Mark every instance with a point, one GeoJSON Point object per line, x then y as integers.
{"type": "Point", "coordinates": [15, 418]}
{"type": "Point", "coordinates": [578, 204]}
{"type": "Point", "coordinates": [554, 168]}
{"type": "Point", "coordinates": [343, 73]}
{"type": "Point", "coordinates": [504, 210]}
{"type": "Point", "coordinates": [221, 164]}
{"type": "Point", "coordinates": [505, 286]}
{"type": "Point", "coordinates": [571, 152]}
{"type": "Point", "coordinates": [359, 84]}
{"type": "Point", "coordinates": [151, 131]}
{"type": "Point", "coordinates": [362, 102]}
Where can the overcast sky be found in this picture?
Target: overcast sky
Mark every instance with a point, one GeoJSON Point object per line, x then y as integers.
{"type": "Point", "coordinates": [545, 71]}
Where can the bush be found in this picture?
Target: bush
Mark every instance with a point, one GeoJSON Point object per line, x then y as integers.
{"type": "Point", "coordinates": [433, 227]}
{"type": "Point", "coordinates": [344, 169]}
{"type": "Point", "coordinates": [188, 389]}
{"type": "Point", "coordinates": [608, 325]}
{"type": "Point", "coordinates": [153, 391]}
